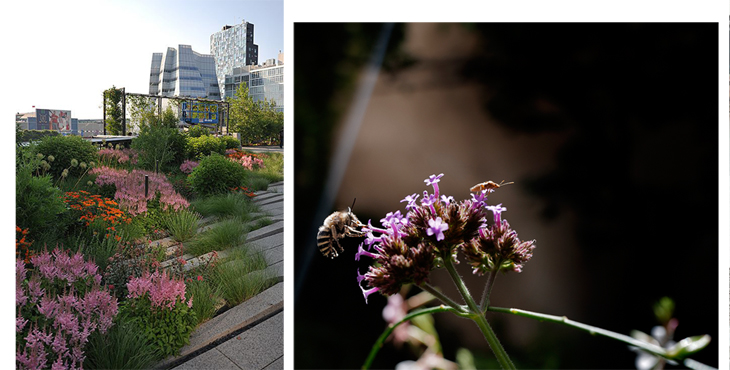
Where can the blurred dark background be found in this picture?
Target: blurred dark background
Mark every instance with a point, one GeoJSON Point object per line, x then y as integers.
{"type": "Point", "coordinates": [609, 132]}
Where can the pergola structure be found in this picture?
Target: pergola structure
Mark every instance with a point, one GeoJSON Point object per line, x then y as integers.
{"type": "Point", "coordinates": [220, 103]}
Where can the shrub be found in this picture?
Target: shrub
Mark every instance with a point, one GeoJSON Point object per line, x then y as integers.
{"type": "Point", "coordinates": [198, 131]}
{"type": "Point", "coordinates": [38, 204]}
{"type": "Point", "coordinates": [199, 147]}
{"type": "Point", "coordinates": [216, 174]}
{"type": "Point", "coordinates": [58, 307]}
{"type": "Point", "coordinates": [181, 225]}
{"type": "Point", "coordinates": [158, 303]}
{"type": "Point", "coordinates": [161, 145]}
{"type": "Point", "coordinates": [34, 135]}
{"type": "Point", "coordinates": [230, 142]}
{"type": "Point", "coordinates": [67, 150]}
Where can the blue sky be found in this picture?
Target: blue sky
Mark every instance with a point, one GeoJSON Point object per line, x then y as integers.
{"type": "Point", "coordinates": [68, 51]}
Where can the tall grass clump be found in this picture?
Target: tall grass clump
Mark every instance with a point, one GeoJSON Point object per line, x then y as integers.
{"type": "Point", "coordinates": [181, 225]}
{"type": "Point", "coordinates": [124, 346]}
{"type": "Point", "coordinates": [206, 296]}
{"type": "Point", "coordinates": [224, 235]}
{"type": "Point", "coordinates": [226, 206]}
{"type": "Point", "coordinates": [242, 275]}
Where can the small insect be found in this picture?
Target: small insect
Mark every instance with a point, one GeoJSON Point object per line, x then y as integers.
{"type": "Point", "coordinates": [336, 226]}
{"type": "Point", "coordinates": [489, 185]}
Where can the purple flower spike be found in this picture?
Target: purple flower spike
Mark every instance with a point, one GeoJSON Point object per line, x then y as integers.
{"type": "Point", "coordinates": [433, 180]}
{"type": "Point", "coordinates": [437, 227]}
{"type": "Point", "coordinates": [368, 292]}
{"type": "Point", "coordinates": [479, 197]}
{"type": "Point", "coordinates": [447, 200]}
{"type": "Point", "coordinates": [361, 252]}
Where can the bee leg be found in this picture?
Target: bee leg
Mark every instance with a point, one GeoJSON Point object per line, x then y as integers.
{"type": "Point", "coordinates": [336, 236]}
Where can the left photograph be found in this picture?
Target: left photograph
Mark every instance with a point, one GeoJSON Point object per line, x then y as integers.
{"type": "Point", "coordinates": [149, 161]}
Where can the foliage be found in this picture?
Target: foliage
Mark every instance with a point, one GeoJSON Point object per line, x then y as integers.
{"type": "Point", "coordinates": [207, 297]}
{"type": "Point", "coordinates": [123, 346]}
{"type": "Point", "coordinates": [226, 234]}
{"type": "Point", "coordinates": [23, 136]}
{"type": "Point", "coordinates": [161, 146]}
{"type": "Point", "coordinates": [130, 189]}
{"type": "Point", "coordinates": [227, 205]}
{"type": "Point", "coordinates": [182, 225]}
{"type": "Point", "coordinates": [169, 118]}
{"type": "Point", "coordinates": [256, 121]}
{"type": "Point", "coordinates": [113, 103]}
{"type": "Point", "coordinates": [272, 172]}
{"type": "Point", "coordinates": [198, 131]}
{"type": "Point", "coordinates": [38, 204]}
{"type": "Point", "coordinates": [199, 147]}
{"type": "Point", "coordinates": [130, 260]}
{"type": "Point", "coordinates": [58, 306]}
{"type": "Point", "coordinates": [230, 142]}
{"type": "Point", "coordinates": [71, 154]}
{"type": "Point", "coordinates": [216, 174]}
{"type": "Point", "coordinates": [242, 275]}
{"type": "Point", "coordinates": [158, 303]}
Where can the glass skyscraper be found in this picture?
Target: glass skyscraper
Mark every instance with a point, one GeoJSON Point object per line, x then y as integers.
{"type": "Point", "coordinates": [233, 47]}
{"type": "Point", "coordinates": [183, 72]}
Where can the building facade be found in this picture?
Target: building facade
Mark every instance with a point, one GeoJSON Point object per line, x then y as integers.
{"type": "Point", "coordinates": [264, 82]}
{"type": "Point", "coordinates": [183, 72]}
{"type": "Point", "coordinates": [233, 47]}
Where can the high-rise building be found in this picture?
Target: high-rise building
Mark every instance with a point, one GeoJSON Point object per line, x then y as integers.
{"type": "Point", "coordinates": [264, 82]}
{"type": "Point", "coordinates": [233, 47]}
{"type": "Point", "coordinates": [183, 72]}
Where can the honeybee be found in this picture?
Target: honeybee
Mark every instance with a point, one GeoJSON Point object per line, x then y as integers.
{"type": "Point", "coordinates": [489, 185]}
{"type": "Point", "coordinates": [336, 226]}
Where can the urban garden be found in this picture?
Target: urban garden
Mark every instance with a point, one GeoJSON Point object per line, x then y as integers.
{"type": "Point", "coordinates": [105, 236]}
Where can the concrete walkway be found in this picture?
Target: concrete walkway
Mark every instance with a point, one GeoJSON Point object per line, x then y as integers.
{"type": "Point", "coordinates": [250, 335]}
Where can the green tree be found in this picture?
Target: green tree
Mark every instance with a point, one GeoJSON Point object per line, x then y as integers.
{"type": "Point", "coordinates": [113, 118]}
{"type": "Point", "coordinates": [244, 114]}
{"type": "Point", "coordinates": [169, 118]}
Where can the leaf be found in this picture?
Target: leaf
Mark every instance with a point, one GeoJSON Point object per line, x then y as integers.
{"type": "Point", "coordinates": [688, 346]}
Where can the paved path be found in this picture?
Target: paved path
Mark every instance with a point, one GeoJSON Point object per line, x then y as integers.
{"type": "Point", "coordinates": [250, 335]}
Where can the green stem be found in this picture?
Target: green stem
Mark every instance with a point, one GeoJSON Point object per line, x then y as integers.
{"type": "Point", "coordinates": [379, 343]}
{"type": "Point", "coordinates": [648, 347]}
{"type": "Point", "coordinates": [479, 318]}
{"type": "Point", "coordinates": [488, 288]}
{"type": "Point", "coordinates": [445, 299]}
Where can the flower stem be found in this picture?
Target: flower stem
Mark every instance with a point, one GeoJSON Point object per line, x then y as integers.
{"type": "Point", "coordinates": [479, 317]}
{"type": "Point", "coordinates": [648, 347]}
{"type": "Point", "coordinates": [488, 287]}
{"type": "Point", "coordinates": [379, 343]}
{"type": "Point", "coordinates": [445, 299]}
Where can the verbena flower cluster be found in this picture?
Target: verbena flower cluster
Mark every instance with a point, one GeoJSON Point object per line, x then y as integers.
{"type": "Point", "coordinates": [120, 156]}
{"type": "Point", "coordinates": [58, 306]}
{"type": "Point", "coordinates": [162, 290]}
{"type": "Point", "coordinates": [249, 161]}
{"type": "Point", "coordinates": [130, 189]}
{"type": "Point", "coordinates": [407, 247]}
{"type": "Point", "coordinates": [188, 166]}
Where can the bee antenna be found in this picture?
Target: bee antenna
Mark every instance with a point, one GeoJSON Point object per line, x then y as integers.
{"type": "Point", "coordinates": [353, 203]}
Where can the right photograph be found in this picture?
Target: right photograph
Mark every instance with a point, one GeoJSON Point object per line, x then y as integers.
{"type": "Point", "coordinates": [506, 195]}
